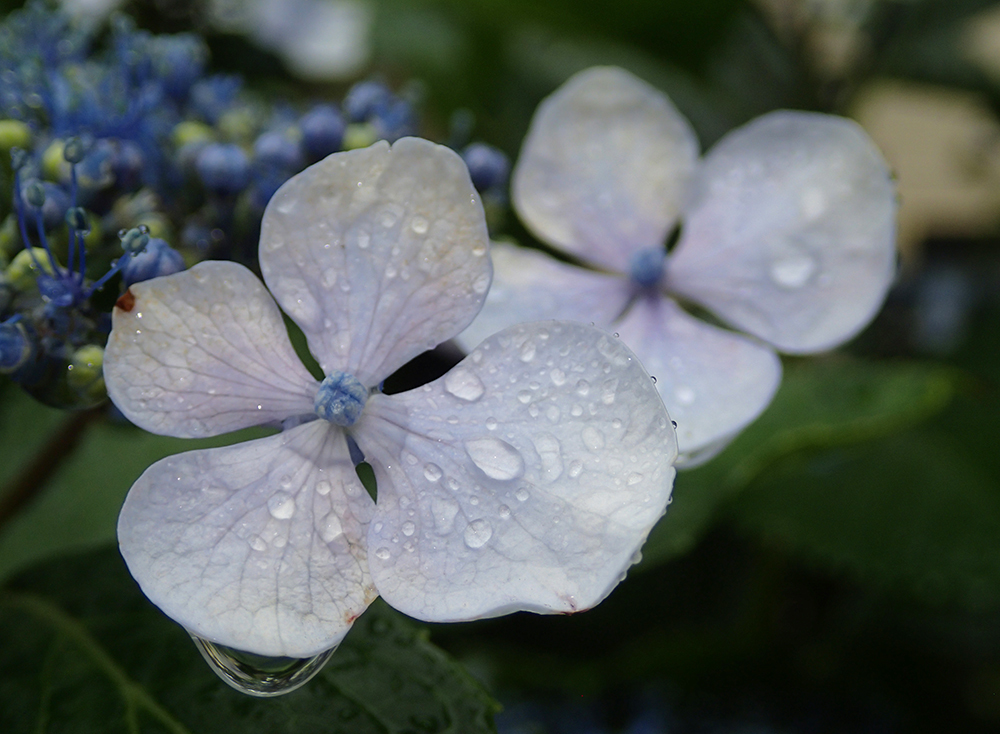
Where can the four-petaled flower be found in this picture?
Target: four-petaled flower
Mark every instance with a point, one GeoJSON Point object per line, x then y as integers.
{"type": "Point", "coordinates": [525, 478]}
{"type": "Point", "coordinates": [788, 234]}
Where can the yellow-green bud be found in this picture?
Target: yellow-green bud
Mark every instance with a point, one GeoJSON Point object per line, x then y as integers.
{"type": "Point", "coordinates": [22, 273]}
{"type": "Point", "coordinates": [54, 165]}
{"type": "Point", "coordinates": [359, 135]}
{"type": "Point", "coordinates": [85, 372]}
{"type": "Point", "coordinates": [191, 131]}
{"type": "Point", "coordinates": [14, 134]}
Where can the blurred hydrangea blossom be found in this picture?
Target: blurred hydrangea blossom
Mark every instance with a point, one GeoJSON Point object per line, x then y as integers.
{"type": "Point", "coordinates": [527, 477]}
{"type": "Point", "coordinates": [787, 233]}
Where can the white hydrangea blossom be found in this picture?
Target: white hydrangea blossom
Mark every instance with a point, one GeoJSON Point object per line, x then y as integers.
{"type": "Point", "coordinates": [527, 477]}
{"type": "Point", "coordinates": [788, 234]}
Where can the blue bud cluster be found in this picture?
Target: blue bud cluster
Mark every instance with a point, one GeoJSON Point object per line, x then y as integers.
{"type": "Point", "coordinates": [127, 132]}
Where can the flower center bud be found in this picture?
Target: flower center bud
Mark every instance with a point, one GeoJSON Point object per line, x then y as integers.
{"type": "Point", "coordinates": [646, 267]}
{"type": "Point", "coordinates": [340, 399]}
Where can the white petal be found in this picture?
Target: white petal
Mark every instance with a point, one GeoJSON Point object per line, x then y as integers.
{"type": "Point", "coordinates": [605, 167]}
{"type": "Point", "coordinates": [713, 382]}
{"type": "Point", "coordinates": [203, 352]}
{"type": "Point", "coordinates": [378, 254]}
{"type": "Point", "coordinates": [528, 285]}
{"type": "Point", "coordinates": [258, 546]}
{"type": "Point", "coordinates": [791, 235]}
{"type": "Point", "coordinates": [525, 478]}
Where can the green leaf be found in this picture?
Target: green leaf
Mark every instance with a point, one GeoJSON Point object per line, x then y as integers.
{"type": "Point", "coordinates": [821, 403]}
{"type": "Point", "coordinates": [911, 513]}
{"type": "Point", "coordinates": [82, 650]}
{"type": "Point", "coordinates": [79, 507]}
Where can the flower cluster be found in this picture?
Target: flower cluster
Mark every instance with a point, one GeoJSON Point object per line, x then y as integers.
{"type": "Point", "coordinates": [136, 132]}
{"type": "Point", "coordinates": [527, 477]}
{"type": "Point", "coordinates": [787, 232]}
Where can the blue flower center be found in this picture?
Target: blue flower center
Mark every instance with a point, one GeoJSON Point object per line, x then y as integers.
{"type": "Point", "coordinates": [646, 267]}
{"type": "Point", "coordinates": [340, 399]}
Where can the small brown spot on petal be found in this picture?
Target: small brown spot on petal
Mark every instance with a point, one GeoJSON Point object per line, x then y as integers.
{"type": "Point", "coordinates": [126, 302]}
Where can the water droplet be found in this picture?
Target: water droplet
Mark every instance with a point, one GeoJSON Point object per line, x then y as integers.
{"type": "Point", "coordinates": [527, 351]}
{"type": "Point", "coordinates": [259, 675]}
{"type": "Point", "coordinates": [491, 424]}
{"type": "Point", "coordinates": [444, 511]}
{"type": "Point", "coordinates": [331, 528]}
{"type": "Point", "coordinates": [477, 533]}
{"type": "Point", "coordinates": [793, 272]}
{"type": "Point", "coordinates": [503, 511]}
{"type": "Point", "coordinates": [550, 452]}
{"type": "Point", "coordinates": [364, 239]}
{"type": "Point", "coordinates": [481, 284]}
{"type": "Point", "coordinates": [575, 468]}
{"type": "Point", "coordinates": [329, 278]}
{"type": "Point", "coordinates": [463, 384]}
{"type": "Point", "coordinates": [382, 554]}
{"type": "Point", "coordinates": [498, 459]}
{"type": "Point", "coordinates": [533, 411]}
{"type": "Point", "coordinates": [552, 413]}
{"type": "Point", "coordinates": [577, 410]}
{"type": "Point", "coordinates": [582, 388]}
{"type": "Point", "coordinates": [593, 439]}
{"type": "Point", "coordinates": [685, 395]}
{"type": "Point", "coordinates": [633, 478]}
{"type": "Point", "coordinates": [408, 528]}
{"type": "Point", "coordinates": [524, 396]}
{"type": "Point", "coordinates": [281, 505]}
{"type": "Point", "coordinates": [558, 377]}
{"type": "Point", "coordinates": [432, 472]}
{"type": "Point", "coordinates": [257, 543]}
{"type": "Point", "coordinates": [419, 225]}
{"type": "Point", "coordinates": [387, 219]}
{"type": "Point", "coordinates": [522, 494]}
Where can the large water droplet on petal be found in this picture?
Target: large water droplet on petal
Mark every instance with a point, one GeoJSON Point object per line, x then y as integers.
{"type": "Point", "coordinates": [463, 384]}
{"type": "Point", "coordinates": [281, 505]}
{"type": "Point", "coordinates": [259, 675]}
{"type": "Point", "coordinates": [498, 459]}
{"type": "Point", "coordinates": [330, 528]}
{"type": "Point", "coordinates": [793, 272]}
{"type": "Point", "coordinates": [477, 533]}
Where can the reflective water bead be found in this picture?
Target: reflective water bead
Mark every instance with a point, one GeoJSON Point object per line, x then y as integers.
{"type": "Point", "coordinates": [259, 675]}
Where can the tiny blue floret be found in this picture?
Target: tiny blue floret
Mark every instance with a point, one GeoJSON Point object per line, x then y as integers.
{"type": "Point", "coordinates": [646, 266]}
{"type": "Point", "coordinates": [340, 399]}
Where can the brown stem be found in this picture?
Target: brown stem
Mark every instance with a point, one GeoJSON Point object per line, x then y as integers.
{"type": "Point", "coordinates": [33, 478]}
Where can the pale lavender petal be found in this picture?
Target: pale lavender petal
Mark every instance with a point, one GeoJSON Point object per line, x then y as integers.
{"type": "Point", "coordinates": [378, 254]}
{"type": "Point", "coordinates": [713, 382]}
{"type": "Point", "coordinates": [526, 478]}
{"type": "Point", "coordinates": [203, 352]}
{"type": "Point", "coordinates": [528, 285]}
{"type": "Point", "coordinates": [791, 233]}
{"type": "Point", "coordinates": [257, 546]}
{"type": "Point", "coordinates": [605, 167]}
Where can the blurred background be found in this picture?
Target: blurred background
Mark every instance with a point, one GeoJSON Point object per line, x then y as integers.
{"type": "Point", "coordinates": [836, 569]}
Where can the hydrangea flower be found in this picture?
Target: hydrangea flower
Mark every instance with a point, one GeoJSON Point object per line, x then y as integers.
{"type": "Point", "coordinates": [788, 232]}
{"type": "Point", "coordinates": [526, 478]}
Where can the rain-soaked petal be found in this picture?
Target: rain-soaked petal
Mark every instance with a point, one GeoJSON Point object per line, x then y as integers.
{"type": "Point", "coordinates": [526, 478]}
{"type": "Point", "coordinates": [605, 167]}
{"type": "Point", "coordinates": [203, 352]}
{"type": "Point", "coordinates": [258, 546]}
{"type": "Point", "coordinates": [377, 254]}
{"type": "Point", "coordinates": [791, 231]}
{"type": "Point", "coordinates": [530, 286]}
{"type": "Point", "coordinates": [713, 382]}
